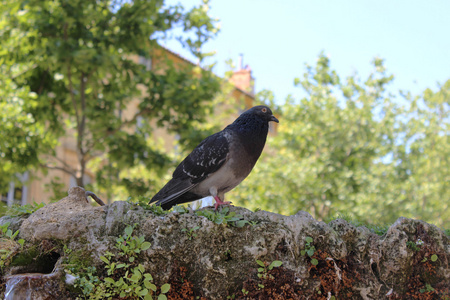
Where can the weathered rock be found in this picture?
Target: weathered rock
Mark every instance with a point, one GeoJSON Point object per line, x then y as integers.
{"type": "Point", "coordinates": [353, 262]}
{"type": "Point", "coordinates": [34, 286]}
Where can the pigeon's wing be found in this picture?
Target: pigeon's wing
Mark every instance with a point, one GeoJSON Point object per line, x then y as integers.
{"type": "Point", "coordinates": [204, 160]}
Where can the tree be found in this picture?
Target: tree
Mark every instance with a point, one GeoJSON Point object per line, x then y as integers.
{"type": "Point", "coordinates": [341, 150]}
{"type": "Point", "coordinates": [73, 68]}
{"type": "Point", "coordinates": [424, 156]}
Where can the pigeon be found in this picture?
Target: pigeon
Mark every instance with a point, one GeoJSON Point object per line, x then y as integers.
{"type": "Point", "coordinates": [220, 162]}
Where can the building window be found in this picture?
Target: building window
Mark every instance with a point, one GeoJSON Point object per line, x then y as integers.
{"type": "Point", "coordinates": [146, 62]}
{"type": "Point", "coordinates": [17, 193]}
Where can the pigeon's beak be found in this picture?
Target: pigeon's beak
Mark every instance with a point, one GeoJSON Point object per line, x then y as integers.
{"type": "Point", "coordinates": [272, 118]}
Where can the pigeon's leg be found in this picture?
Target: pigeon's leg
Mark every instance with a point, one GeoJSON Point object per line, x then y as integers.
{"type": "Point", "coordinates": [219, 202]}
{"type": "Point", "coordinates": [213, 192]}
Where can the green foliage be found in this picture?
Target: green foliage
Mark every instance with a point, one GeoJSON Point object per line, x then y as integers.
{"type": "Point", "coordinates": [265, 267]}
{"type": "Point", "coordinates": [224, 216]}
{"type": "Point", "coordinates": [77, 68]}
{"type": "Point", "coordinates": [125, 276]}
{"type": "Point", "coordinates": [428, 288]}
{"type": "Point", "coordinates": [310, 250]}
{"type": "Point", "coordinates": [9, 244]}
{"type": "Point", "coordinates": [3, 209]}
{"type": "Point", "coordinates": [351, 146]}
{"type": "Point", "coordinates": [190, 232]}
{"type": "Point", "coordinates": [415, 246]}
{"type": "Point", "coordinates": [143, 202]}
{"type": "Point", "coordinates": [180, 209]}
{"type": "Point", "coordinates": [57, 187]}
{"type": "Point", "coordinates": [24, 210]}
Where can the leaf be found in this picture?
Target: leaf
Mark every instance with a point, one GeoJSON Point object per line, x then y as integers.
{"type": "Point", "coordinates": [104, 259]}
{"type": "Point", "coordinates": [141, 268]}
{"type": "Point", "coordinates": [135, 278]}
{"type": "Point", "coordinates": [261, 270]}
{"type": "Point", "coordinates": [260, 263]}
{"type": "Point", "coordinates": [143, 292]}
{"type": "Point", "coordinates": [145, 245]}
{"type": "Point", "coordinates": [131, 259]}
{"type": "Point", "coordinates": [148, 297]}
{"type": "Point", "coordinates": [148, 276]}
{"type": "Point", "coordinates": [165, 288]}
{"type": "Point", "coordinates": [434, 257]}
{"type": "Point", "coordinates": [314, 262]}
{"type": "Point", "coordinates": [310, 252]}
{"type": "Point", "coordinates": [275, 263]}
{"type": "Point", "coordinates": [151, 286]}
{"type": "Point", "coordinates": [128, 230]}
{"type": "Point", "coordinates": [109, 280]}
{"type": "Point", "coordinates": [162, 297]}
{"type": "Point", "coordinates": [309, 239]}
{"type": "Point", "coordinates": [241, 223]}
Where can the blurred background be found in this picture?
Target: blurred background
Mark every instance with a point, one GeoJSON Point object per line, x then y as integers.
{"type": "Point", "coordinates": [111, 95]}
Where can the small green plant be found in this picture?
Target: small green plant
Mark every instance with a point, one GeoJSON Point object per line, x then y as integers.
{"type": "Point", "coordinates": [263, 270]}
{"type": "Point", "coordinates": [310, 250]}
{"type": "Point", "coordinates": [428, 288]}
{"type": "Point", "coordinates": [143, 202]}
{"type": "Point", "coordinates": [245, 292]}
{"type": "Point", "coordinates": [66, 250]}
{"type": "Point", "coordinates": [223, 217]}
{"type": "Point", "coordinates": [88, 282]}
{"type": "Point", "coordinates": [181, 209]}
{"type": "Point", "coordinates": [130, 245]}
{"type": "Point", "coordinates": [190, 232]}
{"type": "Point", "coordinates": [125, 277]}
{"type": "Point", "coordinates": [9, 245]}
{"type": "Point", "coordinates": [433, 258]}
{"type": "Point", "coordinates": [24, 210]}
{"type": "Point", "coordinates": [415, 246]}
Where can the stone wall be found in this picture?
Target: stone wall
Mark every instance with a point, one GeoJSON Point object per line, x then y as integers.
{"type": "Point", "coordinates": [200, 258]}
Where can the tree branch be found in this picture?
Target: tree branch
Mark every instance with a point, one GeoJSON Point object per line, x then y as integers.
{"type": "Point", "coordinates": [123, 124]}
{"type": "Point", "coordinates": [82, 123]}
{"type": "Point", "coordinates": [60, 169]}
{"type": "Point", "coordinates": [63, 163]}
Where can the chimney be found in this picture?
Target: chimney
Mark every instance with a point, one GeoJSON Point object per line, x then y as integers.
{"type": "Point", "coordinates": [242, 78]}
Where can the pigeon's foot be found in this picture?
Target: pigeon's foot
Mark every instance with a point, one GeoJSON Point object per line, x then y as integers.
{"type": "Point", "coordinates": [219, 202]}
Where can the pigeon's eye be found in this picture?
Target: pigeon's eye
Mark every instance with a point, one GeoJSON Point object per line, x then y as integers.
{"type": "Point", "coordinates": [264, 110]}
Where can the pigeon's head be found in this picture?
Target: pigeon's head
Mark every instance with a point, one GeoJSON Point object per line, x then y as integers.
{"type": "Point", "coordinates": [263, 112]}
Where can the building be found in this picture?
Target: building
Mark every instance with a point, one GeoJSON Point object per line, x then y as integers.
{"type": "Point", "coordinates": [25, 191]}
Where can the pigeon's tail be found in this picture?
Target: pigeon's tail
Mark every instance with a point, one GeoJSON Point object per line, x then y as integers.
{"type": "Point", "coordinates": [173, 193]}
{"type": "Point", "coordinates": [184, 198]}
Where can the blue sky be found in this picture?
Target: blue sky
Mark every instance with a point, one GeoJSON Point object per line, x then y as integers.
{"type": "Point", "coordinates": [277, 38]}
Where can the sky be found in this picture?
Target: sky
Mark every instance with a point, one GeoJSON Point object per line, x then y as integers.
{"type": "Point", "coordinates": [277, 39]}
